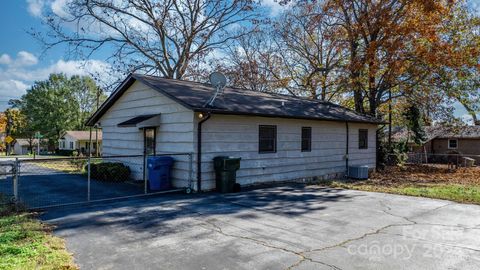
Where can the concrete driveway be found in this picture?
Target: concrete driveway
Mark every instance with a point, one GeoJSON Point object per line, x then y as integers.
{"type": "Point", "coordinates": [292, 227]}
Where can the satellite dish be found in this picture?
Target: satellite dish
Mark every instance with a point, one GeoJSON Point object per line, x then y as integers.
{"type": "Point", "coordinates": [217, 79]}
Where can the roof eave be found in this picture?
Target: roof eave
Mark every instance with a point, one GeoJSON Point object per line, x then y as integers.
{"type": "Point", "coordinates": [223, 112]}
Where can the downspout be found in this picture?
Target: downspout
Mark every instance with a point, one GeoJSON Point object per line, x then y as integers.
{"type": "Point", "coordinates": [346, 148]}
{"type": "Point", "coordinates": [199, 151]}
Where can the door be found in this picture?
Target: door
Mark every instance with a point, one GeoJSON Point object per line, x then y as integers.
{"type": "Point", "coordinates": [149, 139]}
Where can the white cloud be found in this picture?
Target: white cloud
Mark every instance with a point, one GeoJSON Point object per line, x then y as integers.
{"type": "Point", "coordinates": [59, 7]}
{"type": "Point", "coordinates": [12, 89]}
{"type": "Point", "coordinates": [71, 68]}
{"type": "Point", "coordinates": [17, 75]}
{"type": "Point", "coordinates": [35, 7]}
{"type": "Point", "coordinates": [274, 7]}
{"type": "Point", "coordinates": [26, 59]}
{"type": "Point", "coordinates": [5, 59]}
{"type": "Point", "coordinates": [23, 59]}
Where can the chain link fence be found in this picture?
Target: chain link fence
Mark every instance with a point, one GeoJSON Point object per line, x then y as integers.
{"type": "Point", "coordinates": [451, 160]}
{"type": "Point", "coordinates": [43, 182]}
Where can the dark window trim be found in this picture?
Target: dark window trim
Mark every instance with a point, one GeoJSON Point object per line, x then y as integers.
{"type": "Point", "coordinates": [274, 139]}
{"type": "Point", "coordinates": [308, 138]}
{"type": "Point", "coordinates": [360, 146]}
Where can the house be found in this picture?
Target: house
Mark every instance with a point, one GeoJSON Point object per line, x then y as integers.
{"type": "Point", "coordinates": [441, 140]}
{"type": "Point", "coordinates": [22, 146]}
{"type": "Point", "coordinates": [278, 137]}
{"type": "Point", "coordinates": [78, 140]}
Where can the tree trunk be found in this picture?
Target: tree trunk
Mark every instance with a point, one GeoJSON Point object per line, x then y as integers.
{"type": "Point", "coordinates": [372, 90]}
{"type": "Point", "coordinates": [355, 78]}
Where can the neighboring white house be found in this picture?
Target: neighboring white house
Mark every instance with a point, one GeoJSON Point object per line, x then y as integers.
{"type": "Point", "coordinates": [278, 137]}
{"type": "Point", "coordinates": [78, 140]}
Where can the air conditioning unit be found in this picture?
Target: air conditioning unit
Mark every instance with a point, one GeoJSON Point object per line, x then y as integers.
{"type": "Point", "coordinates": [358, 172]}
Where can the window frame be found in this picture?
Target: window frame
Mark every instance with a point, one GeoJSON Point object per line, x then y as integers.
{"type": "Point", "coordinates": [360, 139]}
{"type": "Point", "coordinates": [154, 141]}
{"type": "Point", "coordinates": [260, 151]}
{"type": "Point", "coordinates": [307, 138]}
{"type": "Point", "coordinates": [72, 145]}
{"type": "Point", "coordinates": [456, 143]}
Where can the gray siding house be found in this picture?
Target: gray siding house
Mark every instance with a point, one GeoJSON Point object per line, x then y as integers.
{"type": "Point", "coordinates": [278, 137]}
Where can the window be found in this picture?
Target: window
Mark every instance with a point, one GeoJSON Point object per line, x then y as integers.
{"type": "Point", "coordinates": [452, 144]}
{"type": "Point", "coordinates": [71, 145]}
{"type": "Point", "coordinates": [267, 139]}
{"type": "Point", "coordinates": [306, 139]}
{"type": "Point", "coordinates": [362, 138]}
{"type": "Point", "coordinates": [149, 135]}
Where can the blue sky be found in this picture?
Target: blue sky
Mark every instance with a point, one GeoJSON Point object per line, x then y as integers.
{"type": "Point", "coordinates": [21, 58]}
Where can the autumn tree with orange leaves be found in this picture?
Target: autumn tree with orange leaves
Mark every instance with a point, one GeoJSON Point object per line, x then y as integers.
{"type": "Point", "coordinates": [367, 55]}
{"type": "Point", "coordinates": [397, 48]}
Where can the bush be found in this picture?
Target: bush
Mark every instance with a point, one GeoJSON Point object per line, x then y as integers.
{"type": "Point", "coordinates": [78, 163]}
{"type": "Point", "coordinates": [395, 155]}
{"type": "Point", "coordinates": [109, 171]}
{"type": "Point", "coordinates": [66, 152]}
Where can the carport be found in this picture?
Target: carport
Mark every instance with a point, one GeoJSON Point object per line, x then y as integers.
{"type": "Point", "coordinates": [53, 182]}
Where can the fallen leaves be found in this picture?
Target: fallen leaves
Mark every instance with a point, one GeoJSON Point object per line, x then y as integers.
{"type": "Point", "coordinates": [425, 174]}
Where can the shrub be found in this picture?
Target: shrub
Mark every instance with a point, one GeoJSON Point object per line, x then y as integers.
{"type": "Point", "coordinates": [78, 163]}
{"type": "Point", "coordinates": [66, 152]}
{"type": "Point", "coordinates": [395, 155]}
{"type": "Point", "coordinates": [109, 171]}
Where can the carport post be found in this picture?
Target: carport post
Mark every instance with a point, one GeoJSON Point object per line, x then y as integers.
{"type": "Point", "coordinates": [190, 171]}
{"type": "Point", "coordinates": [88, 179]}
{"type": "Point", "coordinates": [15, 180]}
{"type": "Point", "coordinates": [145, 188]}
{"type": "Point", "coordinates": [88, 166]}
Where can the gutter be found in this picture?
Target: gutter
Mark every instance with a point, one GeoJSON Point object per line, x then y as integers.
{"type": "Point", "coordinates": [199, 151]}
{"type": "Point", "coordinates": [346, 148]}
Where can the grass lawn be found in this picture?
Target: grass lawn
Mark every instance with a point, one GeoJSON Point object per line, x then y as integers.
{"type": "Point", "coordinates": [432, 181]}
{"type": "Point", "coordinates": [26, 243]}
{"type": "Point", "coordinates": [68, 166]}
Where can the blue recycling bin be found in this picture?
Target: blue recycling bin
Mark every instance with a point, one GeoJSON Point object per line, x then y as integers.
{"type": "Point", "coordinates": [159, 171]}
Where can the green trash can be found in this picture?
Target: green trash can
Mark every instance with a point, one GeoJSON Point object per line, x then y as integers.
{"type": "Point", "coordinates": [226, 173]}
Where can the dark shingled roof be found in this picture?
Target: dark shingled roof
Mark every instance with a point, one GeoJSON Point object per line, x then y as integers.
{"type": "Point", "coordinates": [235, 101]}
{"type": "Point", "coordinates": [442, 132]}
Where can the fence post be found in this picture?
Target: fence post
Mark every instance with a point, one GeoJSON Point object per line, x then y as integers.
{"type": "Point", "coordinates": [88, 177]}
{"type": "Point", "coordinates": [15, 180]}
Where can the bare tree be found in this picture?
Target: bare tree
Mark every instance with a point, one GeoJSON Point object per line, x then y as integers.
{"type": "Point", "coordinates": [153, 36]}
{"type": "Point", "coordinates": [308, 45]}
{"type": "Point", "coordinates": [249, 62]}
